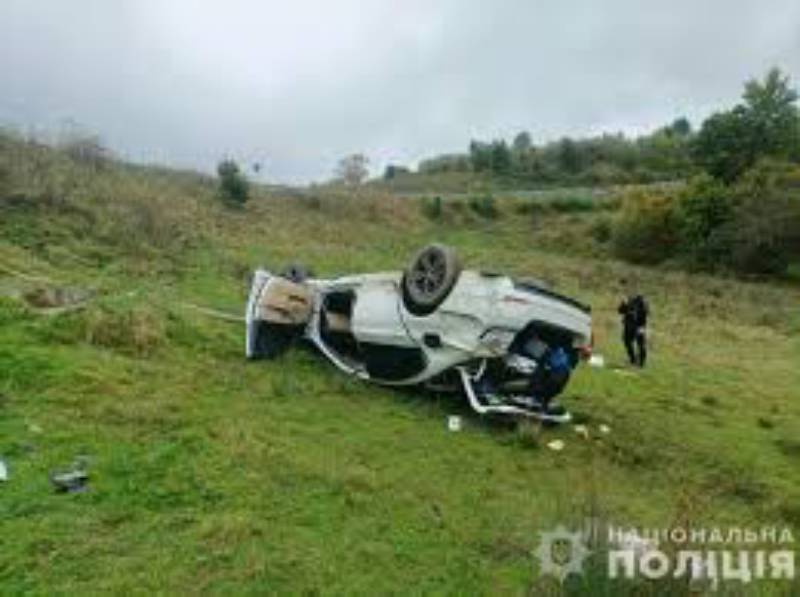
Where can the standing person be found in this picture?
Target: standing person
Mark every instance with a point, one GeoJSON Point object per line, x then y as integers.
{"type": "Point", "coordinates": [634, 311]}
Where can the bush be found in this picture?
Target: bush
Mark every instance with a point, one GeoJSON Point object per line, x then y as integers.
{"type": "Point", "coordinates": [432, 207]}
{"type": "Point", "coordinates": [603, 174]}
{"type": "Point", "coordinates": [704, 208]}
{"type": "Point", "coordinates": [645, 231]}
{"type": "Point", "coordinates": [86, 149]}
{"type": "Point", "coordinates": [5, 179]}
{"type": "Point", "coordinates": [529, 207]}
{"type": "Point", "coordinates": [572, 204]}
{"type": "Point", "coordinates": [763, 234]}
{"type": "Point", "coordinates": [233, 185]}
{"type": "Point", "coordinates": [311, 201]}
{"type": "Point", "coordinates": [134, 330]}
{"type": "Point", "coordinates": [484, 206]}
{"type": "Point", "coordinates": [601, 229]}
{"type": "Point", "coordinates": [752, 227]}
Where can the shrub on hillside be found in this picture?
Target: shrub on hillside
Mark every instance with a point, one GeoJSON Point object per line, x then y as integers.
{"type": "Point", "coordinates": [604, 173]}
{"type": "Point", "coordinates": [645, 230]}
{"type": "Point", "coordinates": [141, 224]}
{"type": "Point", "coordinates": [763, 234]}
{"type": "Point", "coordinates": [233, 185]}
{"type": "Point", "coordinates": [432, 207]}
{"type": "Point", "coordinates": [601, 229]}
{"type": "Point", "coordinates": [484, 206]}
{"type": "Point", "coordinates": [572, 204]}
{"type": "Point", "coordinates": [134, 330]}
{"type": "Point", "coordinates": [5, 178]}
{"type": "Point", "coordinates": [703, 211]}
{"type": "Point", "coordinates": [129, 329]}
{"type": "Point", "coordinates": [311, 201]}
{"type": "Point", "coordinates": [751, 227]}
{"type": "Point", "coordinates": [529, 207]}
{"type": "Point", "coordinates": [86, 149]}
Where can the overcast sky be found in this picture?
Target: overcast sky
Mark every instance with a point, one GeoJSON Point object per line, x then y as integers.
{"type": "Point", "coordinates": [296, 84]}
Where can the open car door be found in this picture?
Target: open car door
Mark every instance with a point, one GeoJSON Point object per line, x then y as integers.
{"type": "Point", "coordinates": [278, 310]}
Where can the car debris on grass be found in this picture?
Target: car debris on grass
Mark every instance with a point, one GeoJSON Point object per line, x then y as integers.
{"type": "Point", "coordinates": [72, 480]}
{"type": "Point", "coordinates": [582, 431]}
{"type": "Point", "coordinates": [454, 423]}
{"type": "Point", "coordinates": [597, 361]}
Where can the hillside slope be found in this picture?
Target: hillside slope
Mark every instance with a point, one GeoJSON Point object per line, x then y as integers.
{"type": "Point", "coordinates": [212, 473]}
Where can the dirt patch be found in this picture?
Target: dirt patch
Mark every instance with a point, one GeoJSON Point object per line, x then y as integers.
{"type": "Point", "coordinates": [43, 297]}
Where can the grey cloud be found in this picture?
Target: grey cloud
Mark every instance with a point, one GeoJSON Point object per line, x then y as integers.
{"type": "Point", "coordinates": [297, 85]}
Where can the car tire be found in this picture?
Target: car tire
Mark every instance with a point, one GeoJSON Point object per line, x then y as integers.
{"type": "Point", "coordinates": [429, 278]}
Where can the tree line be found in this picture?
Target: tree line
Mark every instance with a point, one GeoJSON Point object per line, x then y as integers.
{"type": "Point", "coordinates": [726, 144]}
{"type": "Point", "coordinates": [740, 211]}
{"type": "Point", "coordinates": [606, 159]}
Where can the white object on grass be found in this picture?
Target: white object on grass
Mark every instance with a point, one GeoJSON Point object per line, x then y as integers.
{"type": "Point", "coordinates": [604, 429]}
{"type": "Point", "coordinates": [597, 360]}
{"type": "Point", "coordinates": [3, 471]}
{"type": "Point", "coordinates": [582, 431]}
{"type": "Point", "coordinates": [454, 423]}
{"type": "Point", "coordinates": [556, 445]}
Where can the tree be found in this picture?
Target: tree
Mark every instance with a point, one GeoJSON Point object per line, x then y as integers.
{"type": "Point", "coordinates": [772, 115]}
{"type": "Point", "coordinates": [665, 153]}
{"type": "Point", "coordinates": [352, 169]}
{"type": "Point", "coordinates": [501, 157]}
{"type": "Point", "coordinates": [680, 127]}
{"type": "Point", "coordinates": [764, 232]}
{"type": "Point", "coordinates": [722, 147]}
{"type": "Point", "coordinates": [704, 209]}
{"type": "Point", "coordinates": [522, 142]}
{"type": "Point", "coordinates": [480, 156]}
{"type": "Point", "coordinates": [234, 187]}
{"type": "Point", "coordinates": [644, 230]}
{"type": "Point", "coordinates": [765, 124]}
{"type": "Point", "coordinates": [569, 157]}
{"type": "Point", "coordinates": [392, 171]}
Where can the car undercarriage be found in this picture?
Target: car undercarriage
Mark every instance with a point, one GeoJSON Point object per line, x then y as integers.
{"type": "Point", "coordinates": [510, 347]}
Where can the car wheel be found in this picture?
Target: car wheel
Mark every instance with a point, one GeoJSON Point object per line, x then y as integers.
{"type": "Point", "coordinates": [429, 278]}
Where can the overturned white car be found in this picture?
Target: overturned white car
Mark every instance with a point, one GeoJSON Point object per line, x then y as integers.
{"type": "Point", "coordinates": [511, 346]}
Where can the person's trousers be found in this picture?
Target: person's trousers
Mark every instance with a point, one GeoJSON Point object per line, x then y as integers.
{"type": "Point", "coordinates": [636, 346]}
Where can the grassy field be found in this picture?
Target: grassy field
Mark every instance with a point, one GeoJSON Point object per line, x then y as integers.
{"type": "Point", "coordinates": [209, 473]}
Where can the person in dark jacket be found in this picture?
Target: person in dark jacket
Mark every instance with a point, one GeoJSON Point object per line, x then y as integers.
{"type": "Point", "coordinates": [634, 311]}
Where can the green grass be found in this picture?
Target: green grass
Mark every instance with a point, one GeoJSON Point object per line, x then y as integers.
{"type": "Point", "coordinates": [210, 473]}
